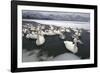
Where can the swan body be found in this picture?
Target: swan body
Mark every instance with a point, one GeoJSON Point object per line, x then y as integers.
{"type": "Point", "coordinates": [40, 40]}
{"type": "Point", "coordinates": [67, 30]}
{"type": "Point", "coordinates": [71, 47]}
{"type": "Point", "coordinates": [28, 36]}
{"type": "Point", "coordinates": [24, 30]}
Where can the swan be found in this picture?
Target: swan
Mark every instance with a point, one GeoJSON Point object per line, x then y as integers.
{"type": "Point", "coordinates": [75, 29]}
{"type": "Point", "coordinates": [40, 38]}
{"type": "Point", "coordinates": [80, 33]}
{"type": "Point", "coordinates": [61, 35]}
{"type": "Point", "coordinates": [68, 30]}
{"type": "Point", "coordinates": [50, 31]}
{"type": "Point", "coordinates": [28, 35]}
{"type": "Point", "coordinates": [57, 32]}
{"type": "Point", "coordinates": [42, 27]}
{"type": "Point", "coordinates": [70, 46]}
{"type": "Point", "coordinates": [25, 30]}
{"type": "Point", "coordinates": [33, 35]}
{"type": "Point", "coordinates": [62, 30]}
{"type": "Point", "coordinates": [51, 27]}
{"type": "Point", "coordinates": [32, 28]}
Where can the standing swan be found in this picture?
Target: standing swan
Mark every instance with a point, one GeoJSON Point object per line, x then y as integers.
{"type": "Point", "coordinates": [40, 38]}
{"type": "Point", "coordinates": [61, 35]}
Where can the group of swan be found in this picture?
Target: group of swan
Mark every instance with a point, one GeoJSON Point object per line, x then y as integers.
{"type": "Point", "coordinates": [32, 35]}
{"type": "Point", "coordinates": [39, 36]}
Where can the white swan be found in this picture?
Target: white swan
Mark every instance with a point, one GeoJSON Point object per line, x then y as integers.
{"type": "Point", "coordinates": [62, 30]}
{"type": "Point", "coordinates": [25, 30]}
{"type": "Point", "coordinates": [80, 33]}
{"type": "Point", "coordinates": [34, 35]}
{"type": "Point", "coordinates": [57, 32]}
{"type": "Point", "coordinates": [32, 28]}
{"type": "Point", "coordinates": [70, 46]}
{"type": "Point", "coordinates": [61, 35]}
{"type": "Point", "coordinates": [51, 27]}
{"type": "Point", "coordinates": [40, 38]}
{"type": "Point", "coordinates": [68, 30]}
{"type": "Point", "coordinates": [28, 36]}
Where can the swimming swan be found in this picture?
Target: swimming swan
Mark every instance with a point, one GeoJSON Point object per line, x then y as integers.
{"type": "Point", "coordinates": [68, 30]}
{"type": "Point", "coordinates": [71, 47]}
{"type": "Point", "coordinates": [40, 38]}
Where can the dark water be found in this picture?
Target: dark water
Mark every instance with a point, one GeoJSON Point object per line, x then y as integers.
{"type": "Point", "coordinates": [84, 49]}
{"type": "Point", "coordinates": [54, 46]}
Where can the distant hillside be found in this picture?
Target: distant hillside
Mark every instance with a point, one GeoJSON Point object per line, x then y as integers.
{"type": "Point", "coordinates": [65, 16]}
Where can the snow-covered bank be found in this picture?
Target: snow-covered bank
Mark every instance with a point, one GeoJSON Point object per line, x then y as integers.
{"type": "Point", "coordinates": [72, 24]}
